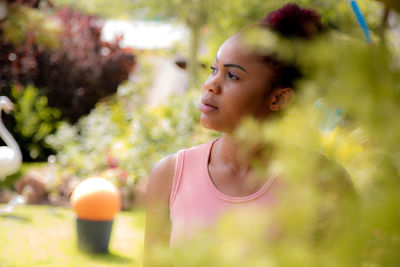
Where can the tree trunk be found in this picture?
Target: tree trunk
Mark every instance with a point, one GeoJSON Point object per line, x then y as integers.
{"type": "Point", "coordinates": [193, 55]}
{"type": "Point", "coordinates": [384, 24]}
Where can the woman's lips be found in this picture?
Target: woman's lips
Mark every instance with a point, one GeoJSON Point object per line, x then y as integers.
{"type": "Point", "coordinates": [207, 108]}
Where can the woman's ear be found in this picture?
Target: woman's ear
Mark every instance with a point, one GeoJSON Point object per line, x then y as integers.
{"type": "Point", "coordinates": [280, 99]}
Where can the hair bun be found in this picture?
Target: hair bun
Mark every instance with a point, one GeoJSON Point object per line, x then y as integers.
{"type": "Point", "coordinates": [294, 21]}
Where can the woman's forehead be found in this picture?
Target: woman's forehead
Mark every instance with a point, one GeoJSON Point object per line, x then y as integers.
{"type": "Point", "coordinates": [235, 51]}
{"type": "Point", "coordinates": [233, 46]}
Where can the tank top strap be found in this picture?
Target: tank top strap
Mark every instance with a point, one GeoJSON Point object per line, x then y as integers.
{"type": "Point", "coordinates": [193, 155]}
{"type": "Point", "coordinates": [177, 177]}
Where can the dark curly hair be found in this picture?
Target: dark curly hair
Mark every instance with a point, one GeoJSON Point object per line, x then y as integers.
{"type": "Point", "coordinates": [292, 22]}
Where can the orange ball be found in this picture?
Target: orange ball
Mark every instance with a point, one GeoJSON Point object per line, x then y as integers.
{"type": "Point", "coordinates": [96, 199]}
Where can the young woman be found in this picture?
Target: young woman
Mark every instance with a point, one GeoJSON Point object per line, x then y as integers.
{"type": "Point", "coordinates": [190, 190]}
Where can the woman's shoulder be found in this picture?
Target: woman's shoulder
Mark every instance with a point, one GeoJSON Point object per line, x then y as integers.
{"type": "Point", "coordinates": [202, 146]}
{"type": "Point", "coordinates": [331, 176]}
{"type": "Point", "coordinates": [161, 177]}
{"type": "Point", "coordinates": [326, 173]}
{"type": "Point", "coordinates": [166, 163]}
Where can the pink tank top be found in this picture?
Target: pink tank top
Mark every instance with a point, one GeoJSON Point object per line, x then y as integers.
{"type": "Point", "coordinates": [195, 202]}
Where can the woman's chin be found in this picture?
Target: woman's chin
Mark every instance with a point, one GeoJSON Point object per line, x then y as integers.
{"type": "Point", "coordinates": [211, 125]}
{"type": "Point", "coordinates": [206, 123]}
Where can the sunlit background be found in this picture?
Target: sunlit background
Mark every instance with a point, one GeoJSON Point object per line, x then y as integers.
{"type": "Point", "coordinates": [108, 88]}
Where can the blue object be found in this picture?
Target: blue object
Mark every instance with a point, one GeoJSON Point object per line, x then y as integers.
{"type": "Point", "coordinates": [361, 20]}
{"type": "Point", "coordinates": [330, 118]}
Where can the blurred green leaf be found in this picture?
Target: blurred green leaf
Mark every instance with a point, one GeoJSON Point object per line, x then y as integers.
{"type": "Point", "coordinates": [394, 4]}
{"type": "Point", "coordinates": [34, 120]}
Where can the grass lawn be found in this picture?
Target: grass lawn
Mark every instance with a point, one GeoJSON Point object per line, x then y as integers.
{"type": "Point", "coordinates": [46, 236]}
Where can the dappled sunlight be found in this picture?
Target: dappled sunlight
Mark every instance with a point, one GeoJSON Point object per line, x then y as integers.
{"type": "Point", "coordinates": [103, 98]}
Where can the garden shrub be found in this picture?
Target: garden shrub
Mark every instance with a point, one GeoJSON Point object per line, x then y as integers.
{"type": "Point", "coordinates": [75, 71]}
{"type": "Point", "coordinates": [33, 121]}
{"type": "Point", "coordinates": [61, 54]}
{"type": "Point", "coordinates": [124, 133]}
{"type": "Point", "coordinates": [85, 69]}
{"type": "Point", "coordinates": [312, 226]}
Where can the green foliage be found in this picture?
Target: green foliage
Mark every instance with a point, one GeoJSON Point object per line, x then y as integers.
{"type": "Point", "coordinates": [194, 14]}
{"type": "Point", "coordinates": [119, 9]}
{"type": "Point", "coordinates": [42, 47]}
{"type": "Point", "coordinates": [335, 14]}
{"type": "Point", "coordinates": [33, 121]}
{"type": "Point", "coordinates": [364, 81]}
{"type": "Point", "coordinates": [22, 20]}
{"type": "Point", "coordinates": [125, 133]}
{"type": "Point", "coordinates": [391, 4]}
{"type": "Point", "coordinates": [217, 20]}
{"type": "Point", "coordinates": [319, 222]}
{"type": "Point", "coordinates": [163, 130]}
{"type": "Point", "coordinates": [315, 222]}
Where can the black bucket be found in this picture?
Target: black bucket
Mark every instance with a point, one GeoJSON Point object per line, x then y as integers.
{"type": "Point", "coordinates": [93, 236]}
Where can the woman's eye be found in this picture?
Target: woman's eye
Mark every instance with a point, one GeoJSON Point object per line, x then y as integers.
{"type": "Point", "coordinates": [213, 69]}
{"type": "Point", "coordinates": [232, 76]}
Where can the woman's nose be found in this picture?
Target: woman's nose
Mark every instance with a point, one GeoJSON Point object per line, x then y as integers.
{"type": "Point", "coordinates": [212, 85]}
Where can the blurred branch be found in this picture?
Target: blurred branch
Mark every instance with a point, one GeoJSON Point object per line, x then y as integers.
{"type": "Point", "coordinates": [384, 24]}
{"type": "Point", "coordinates": [393, 4]}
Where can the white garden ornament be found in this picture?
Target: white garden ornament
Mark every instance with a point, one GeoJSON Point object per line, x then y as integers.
{"type": "Point", "coordinates": [10, 155]}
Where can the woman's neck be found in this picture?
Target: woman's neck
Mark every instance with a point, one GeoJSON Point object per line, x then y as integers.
{"type": "Point", "coordinates": [236, 156]}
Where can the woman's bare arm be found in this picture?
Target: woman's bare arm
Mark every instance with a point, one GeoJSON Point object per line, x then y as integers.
{"type": "Point", "coordinates": [158, 224]}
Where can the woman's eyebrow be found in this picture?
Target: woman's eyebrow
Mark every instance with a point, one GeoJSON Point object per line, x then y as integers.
{"type": "Point", "coordinates": [236, 66]}
{"type": "Point", "coordinates": [233, 65]}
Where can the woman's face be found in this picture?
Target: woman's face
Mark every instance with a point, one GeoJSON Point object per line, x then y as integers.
{"type": "Point", "coordinates": [237, 87]}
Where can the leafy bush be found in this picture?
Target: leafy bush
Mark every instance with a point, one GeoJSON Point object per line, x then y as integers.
{"type": "Point", "coordinates": [33, 120]}
{"type": "Point", "coordinates": [314, 225]}
{"type": "Point", "coordinates": [62, 55]}
{"type": "Point", "coordinates": [84, 69]}
{"type": "Point", "coordinates": [76, 72]}
{"type": "Point", "coordinates": [306, 228]}
{"type": "Point", "coordinates": [124, 133]}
